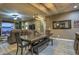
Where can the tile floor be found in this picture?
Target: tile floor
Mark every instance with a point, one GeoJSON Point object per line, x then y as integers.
{"type": "Point", "coordinates": [60, 47]}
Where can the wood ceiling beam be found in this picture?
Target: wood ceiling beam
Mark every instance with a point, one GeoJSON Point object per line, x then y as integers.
{"type": "Point", "coordinates": [48, 9]}
{"type": "Point", "coordinates": [44, 11]}
{"type": "Point", "coordinates": [55, 7]}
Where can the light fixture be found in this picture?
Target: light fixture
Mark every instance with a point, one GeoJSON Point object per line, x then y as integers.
{"type": "Point", "coordinates": [36, 16]}
{"type": "Point", "coordinates": [57, 24]}
{"type": "Point", "coordinates": [15, 18]}
{"type": "Point", "coordinates": [75, 6]}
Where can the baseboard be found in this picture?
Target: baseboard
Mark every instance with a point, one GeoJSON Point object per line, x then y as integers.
{"type": "Point", "coordinates": [61, 39]}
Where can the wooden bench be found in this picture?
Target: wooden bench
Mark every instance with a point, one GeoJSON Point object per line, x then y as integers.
{"type": "Point", "coordinates": [40, 45]}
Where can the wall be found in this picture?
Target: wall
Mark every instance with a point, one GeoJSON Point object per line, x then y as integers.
{"type": "Point", "coordinates": [40, 25]}
{"type": "Point", "coordinates": [65, 33]}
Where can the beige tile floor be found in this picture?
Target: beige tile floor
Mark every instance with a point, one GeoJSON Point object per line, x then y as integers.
{"type": "Point", "coordinates": [6, 48]}
{"type": "Point", "coordinates": [60, 47]}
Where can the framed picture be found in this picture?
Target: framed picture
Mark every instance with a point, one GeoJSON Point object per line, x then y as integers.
{"type": "Point", "coordinates": [65, 24]}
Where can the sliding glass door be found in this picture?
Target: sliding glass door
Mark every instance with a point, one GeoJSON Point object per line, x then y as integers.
{"type": "Point", "coordinates": [6, 28]}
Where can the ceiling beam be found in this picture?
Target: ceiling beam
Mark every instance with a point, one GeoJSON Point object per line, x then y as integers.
{"type": "Point", "coordinates": [40, 8]}
{"type": "Point", "coordinates": [48, 9]}
{"type": "Point", "coordinates": [52, 8]}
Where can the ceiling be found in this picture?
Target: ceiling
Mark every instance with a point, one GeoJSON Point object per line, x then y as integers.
{"type": "Point", "coordinates": [55, 8]}
{"type": "Point", "coordinates": [27, 10]}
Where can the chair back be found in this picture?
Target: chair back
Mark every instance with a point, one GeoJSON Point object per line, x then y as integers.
{"type": "Point", "coordinates": [18, 39]}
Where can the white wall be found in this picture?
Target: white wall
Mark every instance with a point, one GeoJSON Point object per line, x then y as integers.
{"type": "Point", "coordinates": [65, 33]}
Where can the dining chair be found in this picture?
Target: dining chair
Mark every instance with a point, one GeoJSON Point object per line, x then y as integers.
{"type": "Point", "coordinates": [21, 43]}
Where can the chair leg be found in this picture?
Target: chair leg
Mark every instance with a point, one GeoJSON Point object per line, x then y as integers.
{"type": "Point", "coordinates": [21, 51]}
{"type": "Point", "coordinates": [31, 51]}
{"type": "Point", "coordinates": [25, 48]}
{"type": "Point", "coordinates": [17, 51]}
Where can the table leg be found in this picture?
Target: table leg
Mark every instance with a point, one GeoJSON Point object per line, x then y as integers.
{"type": "Point", "coordinates": [51, 40]}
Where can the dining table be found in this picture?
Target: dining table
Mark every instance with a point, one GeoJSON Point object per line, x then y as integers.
{"type": "Point", "coordinates": [33, 39]}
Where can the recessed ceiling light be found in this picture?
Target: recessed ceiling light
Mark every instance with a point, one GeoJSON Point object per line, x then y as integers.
{"type": "Point", "coordinates": [75, 6]}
